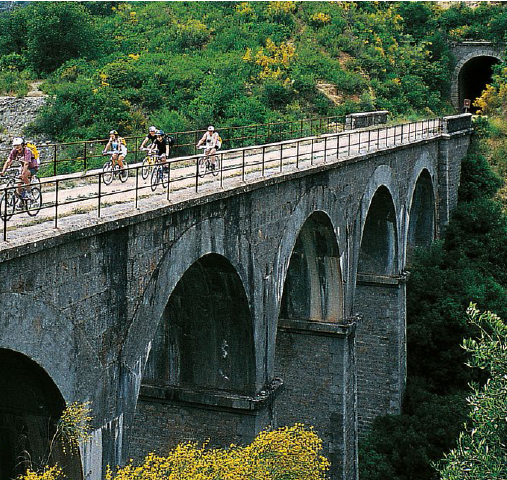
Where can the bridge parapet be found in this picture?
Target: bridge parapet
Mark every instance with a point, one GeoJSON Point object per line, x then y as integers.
{"type": "Point", "coordinates": [365, 119]}
{"type": "Point", "coordinates": [457, 123]}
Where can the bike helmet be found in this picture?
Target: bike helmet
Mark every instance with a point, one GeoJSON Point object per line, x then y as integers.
{"type": "Point", "coordinates": [152, 129]}
{"type": "Point", "coordinates": [211, 128]}
{"type": "Point", "coordinates": [17, 141]}
{"type": "Point", "coordinates": [113, 132]}
{"type": "Point", "coordinates": [160, 132]}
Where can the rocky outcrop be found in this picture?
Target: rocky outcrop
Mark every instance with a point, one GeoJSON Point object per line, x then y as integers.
{"type": "Point", "coordinates": [15, 115]}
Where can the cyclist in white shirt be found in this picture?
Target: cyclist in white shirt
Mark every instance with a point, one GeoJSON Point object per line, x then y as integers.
{"type": "Point", "coordinates": [211, 139]}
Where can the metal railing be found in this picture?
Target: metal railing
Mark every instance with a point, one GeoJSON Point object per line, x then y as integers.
{"type": "Point", "coordinates": [70, 157]}
{"type": "Point", "coordinates": [247, 164]}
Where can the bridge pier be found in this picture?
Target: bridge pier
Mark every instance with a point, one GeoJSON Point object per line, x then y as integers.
{"type": "Point", "coordinates": [316, 361]}
{"type": "Point", "coordinates": [380, 346]}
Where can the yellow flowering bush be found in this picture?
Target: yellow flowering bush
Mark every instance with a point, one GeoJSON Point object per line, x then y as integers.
{"type": "Point", "coordinates": [280, 8]}
{"type": "Point", "coordinates": [49, 473]}
{"type": "Point", "coordinates": [287, 453]}
{"type": "Point", "coordinates": [319, 19]}
{"type": "Point", "coordinates": [73, 426]}
{"type": "Point", "coordinates": [273, 59]}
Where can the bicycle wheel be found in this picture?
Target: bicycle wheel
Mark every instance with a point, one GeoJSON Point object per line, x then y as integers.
{"type": "Point", "coordinates": [201, 166]}
{"type": "Point", "coordinates": [123, 174]}
{"type": "Point", "coordinates": [34, 201]}
{"type": "Point", "coordinates": [146, 168]}
{"type": "Point", "coordinates": [107, 173]}
{"type": "Point", "coordinates": [156, 174]}
{"type": "Point", "coordinates": [7, 205]}
{"type": "Point", "coordinates": [35, 180]}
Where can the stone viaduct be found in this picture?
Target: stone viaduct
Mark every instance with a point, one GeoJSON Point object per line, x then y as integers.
{"type": "Point", "coordinates": [270, 303]}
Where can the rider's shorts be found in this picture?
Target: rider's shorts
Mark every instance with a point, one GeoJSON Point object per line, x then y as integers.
{"type": "Point", "coordinates": [33, 171]}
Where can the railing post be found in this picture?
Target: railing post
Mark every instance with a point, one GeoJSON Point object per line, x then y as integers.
{"type": "Point", "coordinates": [168, 179]}
{"type": "Point", "coordinates": [54, 161]}
{"type": "Point", "coordinates": [85, 162]}
{"type": "Point", "coordinates": [263, 158]}
{"type": "Point", "coordinates": [325, 149]}
{"type": "Point", "coordinates": [337, 147]}
{"type": "Point", "coordinates": [56, 202]}
{"type": "Point", "coordinates": [348, 146]}
{"type": "Point", "coordinates": [281, 157]}
{"type": "Point", "coordinates": [100, 192]}
{"type": "Point", "coordinates": [369, 141]}
{"type": "Point", "coordinates": [221, 170]}
{"type": "Point", "coordinates": [297, 154]}
{"type": "Point", "coordinates": [137, 187]}
{"type": "Point", "coordinates": [311, 153]}
{"type": "Point", "coordinates": [243, 166]}
{"type": "Point", "coordinates": [196, 174]}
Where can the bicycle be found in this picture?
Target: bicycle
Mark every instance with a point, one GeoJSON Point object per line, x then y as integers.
{"type": "Point", "coordinates": [148, 162]}
{"type": "Point", "coordinates": [159, 174]}
{"type": "Point", "coordinates": [29, 200]}
{"type": "Point", "coordinates": [204, 164]}
{"type": "Point", "coordinates": [109, 172]}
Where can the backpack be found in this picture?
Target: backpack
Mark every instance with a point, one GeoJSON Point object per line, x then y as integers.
{"type": "Point", "coordinates": [35, 152]}
{"type": "Point", "coordinates": [219, 142]}
{"type": "Point", "coordinates": [170, 140]}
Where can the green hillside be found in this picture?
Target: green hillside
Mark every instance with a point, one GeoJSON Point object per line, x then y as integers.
{"type": "Point", "coordinates": [183, 65]}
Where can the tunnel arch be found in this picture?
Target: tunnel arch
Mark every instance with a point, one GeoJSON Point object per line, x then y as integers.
{"type": "Point", "coordinates": [378, 253]}
{"type": "Point", "coordinates": [30, 406]}
{"type": "Point", "coordinates": [313, 287]}
{"type": "Point", "coordinates": [422, 215]}
{"type": "Point", "coordinates": [471, 75]}
{"type": "Point", "coordinates": [205, 337]}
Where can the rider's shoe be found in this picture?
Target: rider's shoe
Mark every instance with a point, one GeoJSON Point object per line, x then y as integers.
{"type": "Point", "coordinates": [213, 166]}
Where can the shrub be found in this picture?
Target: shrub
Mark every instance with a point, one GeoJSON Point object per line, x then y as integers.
{"type": "Point", "coordinates": [286, 453]}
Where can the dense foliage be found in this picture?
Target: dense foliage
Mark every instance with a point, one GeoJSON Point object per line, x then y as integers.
{"type": "Point", "coordinates": [481, 451]}
{"type": "Point", "coordinates": [289, 453]}
{"type": "Point", "coordinates": [182, 65]}
{"type": "Point", "coordinates": [469, 264]}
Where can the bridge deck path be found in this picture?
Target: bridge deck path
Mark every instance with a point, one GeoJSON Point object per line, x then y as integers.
{"type": "Point", "coordinates": [78, 202]}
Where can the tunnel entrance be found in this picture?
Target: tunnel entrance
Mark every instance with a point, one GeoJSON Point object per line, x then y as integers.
{"type": "Point", "coordinates": [30, 406]}
{"type": "Point", "coordinates": [473, 78]}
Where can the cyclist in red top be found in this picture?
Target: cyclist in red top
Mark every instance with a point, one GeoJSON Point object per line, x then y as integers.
{"type": "Point", "coordinates": [29, 166]}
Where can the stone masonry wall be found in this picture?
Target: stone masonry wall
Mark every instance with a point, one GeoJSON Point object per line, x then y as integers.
{"type": "Point", "coordinates": [85, 305]}
{"type": "Point", "coordinates": [319, 383]}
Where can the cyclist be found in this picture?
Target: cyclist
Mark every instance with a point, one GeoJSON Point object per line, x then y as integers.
{"type": "Point", "coordinates": [117, 145]}
{"type": "Point", "coordinates": [212, 141]}
{"type": "Point", "coordinates": [161, 145]}
{"type": "Point", "coordinates": [150, 138]}
{"type": "Point", "coordinates": [29, 166]}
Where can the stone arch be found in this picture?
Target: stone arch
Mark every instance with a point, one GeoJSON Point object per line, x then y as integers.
{"type": "Point", "coordinates": [313, 287]}
{"type": "Point", "coordinates": [382, 180]}
{"type": "Point", "coordinates": [471, 75]}
{"type": "Point", "coordinates": [378, 254]}
{"type": "Point", "coordinates": [179, 406]}
{"type": "Point", "coordinates": [422, 215]}
{"type": "Point", "coordinates": [205, 337]}
{"type": "Point", "coordinates": [30, 406]}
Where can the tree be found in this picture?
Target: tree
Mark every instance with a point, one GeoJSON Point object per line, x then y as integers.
{"type": "Point", "coordinates": [57, 32]}
{"type": "Point", "coordinates": [482, 451]}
